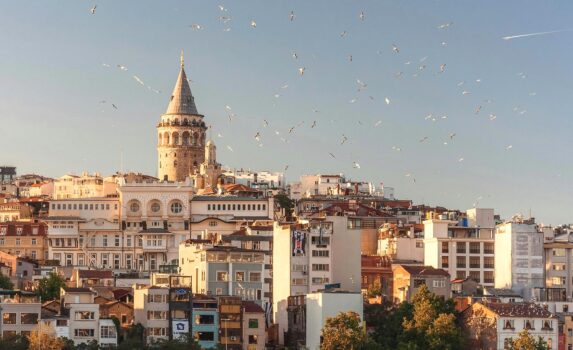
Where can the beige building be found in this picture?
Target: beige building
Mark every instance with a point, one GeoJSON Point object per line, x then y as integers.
{"type": "Point", "coordinates": [19, 312]}
{"type": "Point", "coordinates": [24, 239]}
{"type": "Point", "coordinates": [181, 134]}
{"type": "Point", "coordinates": [408, 279]}
{"type": "Point", "coordinates": [150, 309]}
{"type": "Point", "coordinates": [462, 246]}
{"type": "Point", "coordinates": [84, 186]}
{"type": "Point", "coordinates": [254, 335]}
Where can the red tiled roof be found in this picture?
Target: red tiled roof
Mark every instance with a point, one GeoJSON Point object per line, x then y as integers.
{"type": "Point", "coordinates": [120, 293]}
{"type": "Point", "coordinates": [518, 310]}
{"type": "Point", "coordinates": [95, 274]}
{"type": "Point", "coordinates": [11, 228]}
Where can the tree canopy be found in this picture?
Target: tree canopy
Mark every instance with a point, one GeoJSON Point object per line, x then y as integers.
{"type": "Point", "coordinates": [343, 332]}
{"type": "Point", "coordinates": [49, 288]}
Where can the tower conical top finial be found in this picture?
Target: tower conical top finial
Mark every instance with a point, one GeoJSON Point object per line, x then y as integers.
{"type": "Point", "coordinates": [182, 59]}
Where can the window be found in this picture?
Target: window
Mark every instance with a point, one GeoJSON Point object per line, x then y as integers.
{"type": "Point", "coordinates": [559, 252]}
{"type": "Point", "coordinates": [565, 308]}
{"type": "Point", "coordinates": [116, 241]}
{"type": "Point", "coordinates": [419, 244]}
{"type": "Point", "coordinates": [28, 318]}
{"type": "Point", "coordinates": [105, 260]}
{"type": "Point", "coordinates": [176, 208]}
{"type": "Point", "coordinates": [488, 248]}
{"type": "Point", "coordinates": [205, 336]}
{"type": "Point", "coordinates": [212, 223]}
{"type": "Point", "coordinates": [488, 277]}
{"type": "Point", "coordinates": [320, 240]}
{"type": "Point", "coordinates": [475, 275]}
{"type": "Point", "coordinates": [108, 332]}
{"type": "Point", "coordinates": [253, 323]}
{"type": "Point", "coordinates": [474, 248]}
{"type": "Point", "coordinates": [529, 324]}
{"type": "Point", "coordinates": [204, 319]}
{"type": "Point", "coordinates": [488, 262]}
{"type": "Point", "coordinates": [474, 262]}
{"type": "Point", "coordinates": [445, 261]}
{"type": "Point", "coordinates": [33, 241]}
{"type": "Point", "coordinates": [222, 276]}
{"type": "Point", "coordinates": [321, 253]}
{"type": "Point", "coordinates": [320, 280]}
{"type": "Point", "coordinates": [156, 315]}
{"type": "Point", "coordinates": [134, 207]}
{"type": "Point", "coordinates": [547, 324]}
{"type": "Point", "coordinates": [460, 275]}
{"type": "Point", "coordinates": [156, 298]}
{"type": "Point", "coordinates": [418, 282]}
{"type": "Point", "coordinates": [240, 276]}
{"type": "Point", "coordinates": [320, 267]}
{"type": "Point", "coordinates": [508, 324]}
{"type": "Point", "coordinates": [128, 261]}
{"type": "Point", "coordinates": [128, 241]}
{"type": "Point", "coordinates": [439, 283]}
{"type": "Point", "coordinates": [254, 277]}
{"type": "Point", "coordinates": [116, 261]}
{"type": "Point", "coordinates": [105, 240]}
{"type": "Point", "coordinates": [460, 261]}
{"type": "Point", "coordinates": [69, 260]}
{"type": "Point", "coordinates": [81, 261]}
{"type": "Point", "coordinates": [461, 248]}
{"type": "Point", "coordinates": [9, 318]}
{"type": "Point", "coordinates": [85, 315]}
{"type": "Point", "coordinates": [445, 247]}
{"type": "Point", "coordinates": [155, 207]}
{"type": "Point", "coordinates": [1, 241]}
{"type": "Point", "coordinates": [87, 332]}
{"type": "Point", "coordinates": [17, 241]}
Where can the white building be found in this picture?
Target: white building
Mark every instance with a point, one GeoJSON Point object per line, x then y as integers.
{"type": "Point", "coordinates": [463, 248]}
{"type": "Point", "coordinates": [509, 319]}
{"type": "Point", "coordinates": [232, 207]}
{"type": "Point", "coordinates": [256, 179]}
{"type": "Point", "coordinates": [322, 305]}
{"type": "Point", "coordinates": [86, 232]}
{"type": "Point", "coordinates": [309, 255]}
{"type": "Point", "coordinates": [519, 253]}
{"type": "Point", "coordinates": [154, 215]}
{"type": "Point", "coordinates": [401, 242]}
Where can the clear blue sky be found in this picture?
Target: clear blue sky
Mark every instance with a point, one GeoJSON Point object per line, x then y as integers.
{"type": "Point", "coordinates": [52, 82]}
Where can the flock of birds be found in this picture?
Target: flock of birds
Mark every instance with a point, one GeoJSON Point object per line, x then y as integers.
{"type": "Point", "coordinates": [465, 88]}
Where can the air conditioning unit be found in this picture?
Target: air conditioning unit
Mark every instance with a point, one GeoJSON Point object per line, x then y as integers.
{"type": "Point", "coordinates": [304, 272]}
{"type": "Point", "coordinates": [233, 338]}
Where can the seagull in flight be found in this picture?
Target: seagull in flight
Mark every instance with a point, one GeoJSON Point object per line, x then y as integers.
{"type": "Point", "coordinates": [291, 16]}
{"type": "Point", "coordinates": [313, 124]}
{"type": "Point", "coordinates": [258, 136]}
{"type": "Point", "coordinates": [452, 135]}
{"type": "Point", "coordinates": [301, 71]}
{"type": "Point", "coordinates": [265, 122]}
{"type": "Point", "coordinates": [442, 67]}
{"type": "Point", "coordinates": [377, 123]}
{"type": "Point", "coordinates": [344, 139]}
{"type": "Point", "coordinates": [395, 48]}
{"type": "Point", "coordinates": [356, 165]}
{"type": "Point", "coordinates": [93, 10]}
{"type": "Point", "coordinates": [445, 25]}
{"type": "Point", "coordinates": [387, 100]}
{"type": "Point", "coordinates": [114, 106]}
{"type": "Point", "coordinates": [230, 148]}
{"type": "Point", "coordinates": [424, 139]}
{"type": "Point", "coordinates": [361, 16]}
{"type": "Point", "coordinates": [508, 147]}
{"type": "Point", "coordinates": [253, 23]}
{"type": "Point", "coordinates": [286, 167]}
{"type": "Point", "coordinates": [332, 155]}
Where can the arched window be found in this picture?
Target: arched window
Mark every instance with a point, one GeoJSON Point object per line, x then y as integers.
{"type": "Point", "coordinates": [203, 139]}
{"type": "Point", "coordinates": [175, 138]}
{"type": "Point", "coordinates": [166, 138]}
{"type": "Point", "coordinates": [185, 121]}
{"type": "Point", "coordinates": [160, 139]}
{"type": "Point", "coordinates": [185, 138]}
{"type": "Point", "coordinates": [175, 163]}
{"type": "Point", "coordinates": [195, 139]}
{"type": "Point", "coordinates": [176, 207]}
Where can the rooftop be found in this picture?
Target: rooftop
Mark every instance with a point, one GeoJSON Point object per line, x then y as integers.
{"type": "Point", "coordinates": [518, 310]}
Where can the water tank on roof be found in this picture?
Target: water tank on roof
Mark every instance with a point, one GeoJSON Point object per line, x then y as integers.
{"type": "Point", "coordinates": [465, 222]}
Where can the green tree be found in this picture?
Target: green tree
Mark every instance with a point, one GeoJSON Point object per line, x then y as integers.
{"type": "Point", "coordinates": [133, 338]}
{"type": "Point", "coordinates": [15, 342]}
{"type": "Point", "coordinates": [343, 332]}
{"type": "Point", "coordinates": [43, 337]}
{"type": "Point", "coordinates": [185, 342]}
{"type": "Point", "coordinates": [444, 334]}
{"type": "Point", "coordinates": [375, 289]}
{"type": "Point", "coordinates": [387, 320]}
{"type": "Point", "coordinates": [525, 341]}
{"type": "Point", "coordinates": [284, 202]}
{"type": "Point", "coordinates": [49, 288]}
{"type": "Point", "coordinates": [5, 282]}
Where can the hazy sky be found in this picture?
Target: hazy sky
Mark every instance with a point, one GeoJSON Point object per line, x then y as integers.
{"type": "Point", "coordinates": [53, 78]}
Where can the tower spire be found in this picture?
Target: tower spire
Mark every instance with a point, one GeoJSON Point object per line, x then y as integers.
{"type": "Point", "coordinates": [182, 59]}
{"type": "Point", "coordinates": [182, 101]}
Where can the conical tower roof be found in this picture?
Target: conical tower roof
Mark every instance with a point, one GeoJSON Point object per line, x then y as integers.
{"type": "Point", "coordinates": [182, 101]}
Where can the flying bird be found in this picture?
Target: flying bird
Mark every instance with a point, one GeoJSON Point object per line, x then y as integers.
{"type": "Point", "coordinates": [222, 8]}
{"type": "Point", "coordinates": [344, 139]}
{"type": "Point", "coordinates": [508, 147]}
{"type": "Point", "coordinates": [535, 34]}
{"type": "Point", "coordinates": [114, 106]}
{"type": "Point", "coordinates": [442, 67]}
{"type": "Point", "coordinates": [291, 16]}
{"type": "Point", "coordinates": [332, 155]}
{"type": "Point", "coordinates": [230, 148]}
{"type": "Point", "coordinates": [377, 123]}
{"type": "Point", "coordinates": [301, 71]}
{"type": "Point", "coordinates": [253, 23]}
{"type": "Point", "coordinates": [93, 10]}
{"type": "Point", "coordinates": [286, 167]}
{"type": "Point", "coordinates": [492, 117]}
{"type": "Point", "coordinates": [445, 25]}
{"type": "Point", "coordinates": [387, 100]}
{"type": "Point", "coordinates": [361, 16]}
{"type": "Point", "coordinates": [265, 122]}
{"type": "Point", "coordinates": [396, 49]}
{"type": "Point", "coordinates": [343, 34]}
{"type": "Point", "coordinates": [423, 139]}
{"type": "Point", "coordinates": [196, 26]}
{"type": "Point", "coordinates": [294, 55]}
{"type": "Point", "coordinates": [452, 135]}
{"type": "Point", "coordinates": [123, 68]}
{"type": "Point", "coordinates": [313, 124]}
{"type": "Point", "coordinates": [258, 136]}
{"type": "Point", "coordinates": [355, 165]}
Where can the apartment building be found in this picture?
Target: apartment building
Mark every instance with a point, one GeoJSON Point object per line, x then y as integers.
{"type": "Point", "coordinates": [408, 279]}
{"type": "Point", "coordinates": [519, 252]}
{"type": "Point", "coordinates": [231, 322]}
{"type": "Point", "coordinates": [558, 259]}
{"type": "Point", "coordinates": [465, 247]}
{"type": "Point", "coordinates": [205, 327]}
{"type": "Point", "coordinates": [82, 186]}
{"type": "Point", "coordinates": [401, 242]}
{"type": "Point", "coordinates": [164, 309]}
{"type": "Point", "coordinates": [254, 335]}
{"type": "Point", "coordinates": [226, 270]}
{"type": "Point", "coordinates": [232, 207]}
{"type": "Point", "coordinates": [19, 312]}
{"type": "Point", "coordinates": [24, 239]}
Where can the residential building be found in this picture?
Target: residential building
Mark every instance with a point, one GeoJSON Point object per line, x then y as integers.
{"type": "Point", "coordinates": [408, 279]}
{"type": "Point", "coordinates": [24, 239]}
{"type": "Point", "coordinates": [519, 250]}
{"type": "Point", "coordinates": [295, 335]}
{"type": "Point", "coordinates": [509, 319]}
{"type": "Point", "coordinates": [376, 271]}
{"type": "Point", "coordinates": [19, 311]}
{"type": "Point", "coordinates": [402, 242]}
{"type": "Point", "coordinates": [85, 323]}
{"type": "Point", "coordinates": [92, 278]}
{"type": "Point", "coordinates": [462, 247]}
{"type": "Point", "coordinates": [322, 305]}
{"type": "Point", "coordinates": [87, 232]}
{"type": "Point", "coordinates": [231, 322]}
{"type": "Point", "coordinates": [558, 259]}
{"type": "Point", "coordinates": [502, 295]}
{"type": "Point", "coordinates": [309, 255]}
{"type": "Point", "coordinates": [232, 207]}
{"type": "Point", "coordinates": [254, 335]}
{"type": "Point", "coordinates": [256, 179]}
{"type": "Point", "coordinates": [226, 270]}
{"type": "Point", "coordinates": [164, 310]}
{"type": "Point", "coordinates": [155, 219]}
{"type": "Point", "coordinates": [85, 186]}
{"type": "Point", "coordinates": [120, 310]}
{"type": "Point", "coordinates": [19, 269]}
{"type": "Point", "coordinates": [205, 318]}
{"type": "Point", "coordinates": [329, 185]}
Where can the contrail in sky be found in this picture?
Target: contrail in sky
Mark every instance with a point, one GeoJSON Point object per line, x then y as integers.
{"type": "Point", "coordinates": [534, 34]}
